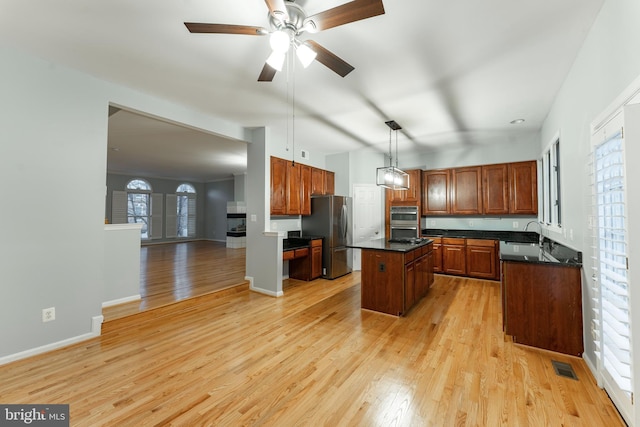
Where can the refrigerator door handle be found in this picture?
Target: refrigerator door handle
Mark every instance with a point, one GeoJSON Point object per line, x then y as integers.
{"type": "Point", "coordinates": [343, 219]}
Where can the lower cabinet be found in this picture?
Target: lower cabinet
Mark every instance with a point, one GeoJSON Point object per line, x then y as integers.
{"type": "Point", "coordinates": [392, 282]}
{"type": "Point", "coordinates": [466, 257]}
{"type": "Point", "coordinates": [454, 256]}
{"type": "Point", "coordinates": [483, 259]}
{"type": "Point", "coordinates": [305, 263]}
{"type": "Point", "coordinates": [542, 306]}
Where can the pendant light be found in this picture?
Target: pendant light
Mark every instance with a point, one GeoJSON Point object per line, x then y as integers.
{"type": "Point", "coordinates": [391, 176]}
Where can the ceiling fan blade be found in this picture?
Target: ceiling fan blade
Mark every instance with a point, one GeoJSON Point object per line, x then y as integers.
{"type": "Point", "coordinates": [330, 60]}
{"type": "Point", "coordinates": [349, 12]}
{"type": "Point", "coordinates": [195, 27]}
{"type": "Point", "coordinates": [267, 74]}
{"type": "Point", "coordinates": [277, 9]}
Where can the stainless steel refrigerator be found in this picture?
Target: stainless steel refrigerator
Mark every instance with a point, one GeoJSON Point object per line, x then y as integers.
{"type": "Point", "coordinates": [331, 218]}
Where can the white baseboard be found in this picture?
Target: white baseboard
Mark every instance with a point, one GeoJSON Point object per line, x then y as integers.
{"type": "Point", "coordinates": [261, 290]}
{"type": "Point", "coordinates": [594, 371]}
{"type": "Point", "coordinates": [121, 300]}
{"type": "Point", "coordinates": [96, 327]}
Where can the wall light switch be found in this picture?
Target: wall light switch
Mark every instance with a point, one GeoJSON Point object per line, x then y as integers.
{"type": "Point", "coordinates": [516, 224]}
{"type": "Point", "coordinates": [254, 218]}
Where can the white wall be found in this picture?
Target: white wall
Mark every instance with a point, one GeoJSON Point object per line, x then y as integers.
{"type": "Point", "coordinates": [122, 263]}
{"type": "Point", "coordinates": [53, 128]}
{"type": "Point", "coordinates": [607, 63]}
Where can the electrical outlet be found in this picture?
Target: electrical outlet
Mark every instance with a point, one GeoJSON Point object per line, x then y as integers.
{"type": "Point", "coordinates": [48, 314]}
{"type": "Point", "coordinates": [470, 223]}
{"type": "Point", "coordinates": [433, 222]}
{"type": "Point", "coordinates": [516, 224]}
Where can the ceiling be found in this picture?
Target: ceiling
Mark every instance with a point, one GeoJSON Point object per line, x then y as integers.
{"type": "Point", "coordinates": [449, 72]}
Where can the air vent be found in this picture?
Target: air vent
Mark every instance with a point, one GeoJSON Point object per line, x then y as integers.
{"type": "Point", "coordinates": [564, 370]}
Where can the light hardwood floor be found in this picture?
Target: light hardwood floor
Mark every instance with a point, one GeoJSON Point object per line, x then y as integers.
{"type": "Point", "coordinates": [309, 358]}
{"type": "Point", "coordinates": [176, 271]}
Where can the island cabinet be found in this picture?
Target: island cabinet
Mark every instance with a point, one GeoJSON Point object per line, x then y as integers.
{"type": "Point", "coordinates": [542, 306]}
{"type": "Point", "coordinates": [394, 281]}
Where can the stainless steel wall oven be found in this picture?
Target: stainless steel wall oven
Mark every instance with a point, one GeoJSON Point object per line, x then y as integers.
{"type": "Point", "coordinates": [404, 222]}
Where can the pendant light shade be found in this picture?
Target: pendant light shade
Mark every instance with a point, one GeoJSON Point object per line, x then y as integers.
{"type": "Point", "coordinates": [391, 176]}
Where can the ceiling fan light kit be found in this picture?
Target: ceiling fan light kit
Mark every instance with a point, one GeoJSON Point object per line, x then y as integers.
{"type": "Point", "coordinates": [391, 176]}
{"type": "Point", "coordinates": [288, 21]}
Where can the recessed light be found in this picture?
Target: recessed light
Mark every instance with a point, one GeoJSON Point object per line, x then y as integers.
{"type": "Point", "coordinates": [516, 121]}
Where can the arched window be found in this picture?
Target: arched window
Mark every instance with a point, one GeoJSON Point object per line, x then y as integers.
{"type": "Point", "coordinates": [185, 210]}
{"type": "Point", "coordinates": [139, 205]}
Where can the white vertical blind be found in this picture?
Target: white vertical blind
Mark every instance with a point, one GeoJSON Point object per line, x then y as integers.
{"type": "Point", "coordinates": [612, 326]}
{"type": "Point", "coordinates": [191, 222]}
{"type": "Point", "coordinates": [171, 216]}
{"type": "Point", "coordinates": [119, 207]}
{"type": "Point", "coordinates": [156, 215]}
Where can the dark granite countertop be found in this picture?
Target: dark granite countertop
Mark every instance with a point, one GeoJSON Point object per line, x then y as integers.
{"type": "Point", "coordinates": [298, 242]}
{"type": "Point", "coordinates": [384, 245]}
{"type": "Point", "coordinates": [549, 253]}
{"type": "Point", "coordinates": [504, 236]}
{"type": "Point", "coordinates": [518, 246]}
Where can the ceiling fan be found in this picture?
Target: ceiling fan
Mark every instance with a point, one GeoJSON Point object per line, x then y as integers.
{"type": "Point", "coordinates": [287, 21]}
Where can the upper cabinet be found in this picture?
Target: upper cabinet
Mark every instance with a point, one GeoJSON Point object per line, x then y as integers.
{"type": "Point", "coordinates": [495, 182]}
{"type": "Point", "coordinates": [435, 192]}
{"type": "Point", "coordinates": [322, 182]}
{"type": "Point", "coordinates": [410, 195]}
{"type": "Point", "coordinates": [500, 189]}
{"type": "Point", "coordinates": [292, 185]}
{"type": "Point", "coordinates": [466, 191]}
{"type": "Point", "coordinates": [523, 188]}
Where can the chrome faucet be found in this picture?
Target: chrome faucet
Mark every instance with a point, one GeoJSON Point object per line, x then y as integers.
{"type": "Point", "coordinates": [541, 237]}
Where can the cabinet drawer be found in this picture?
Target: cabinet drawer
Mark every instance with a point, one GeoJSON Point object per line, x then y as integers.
{"type": "Point", "coordinates": [453, 241]}
{"type": "Point", "coordinates": [302, 252]}
{"type": "Point", "coordinates": [481, 242]}
{"type": "Point", "coordinates": [316, 242]}
{"type": "Point", "coordinates": [409, 256]}
{"type": "Point", "coordinates": [287, 255]}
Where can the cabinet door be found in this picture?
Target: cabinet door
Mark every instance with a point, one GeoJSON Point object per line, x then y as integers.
{"type": "Point", "coordinates": [305, 178]}
{"type": "Point", "coordinates": [436, 254]}
{"type": "Point", "coordinates": [495, 189]}
{"type": "Point", "coordinates": [316, 259]}
{"type": "Point", "coordinates": [409, 285]}
{"type": "Point", "coordinates": [430, 269]}
{"type": "Point", "coordinates": [329, 182]}
{"type": "Point", "coordinates": [317, 182]}
{"type": "Point", "coordinates": [454, 256]}
{"type": "Point", "coordinates": [523, 188]}
{"type": "Point", "coordinates": [466, 191]}
{"type": "Point", "coordinates": [294, 190]}
{"type": "Point", "coordinates": [435, 192]}
{"type": "Point", "coordinates": [278, 186]}
{"type": "Point", "coordinates": [482, 259]}
{"type": "Point", "coordinates": [413, 193]}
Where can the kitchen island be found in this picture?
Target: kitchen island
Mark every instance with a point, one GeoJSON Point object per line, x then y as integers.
{"type": "Point", "coordinates": [395, 275]}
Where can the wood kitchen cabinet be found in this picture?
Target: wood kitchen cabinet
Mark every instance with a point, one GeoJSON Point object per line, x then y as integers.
{"type": "Point", "coordinates": [523, 188]}
{"type": "Point", "coordinates": [413, 193]}
{"type": "Point", "coordinates": [305, 190]}
{"type": "Point", "coordinates": [500, 189]}
{"type": "Point", "coordinates": [278, 186]}
{"type": "Point", "coordinates": [482, 259]}
{"type": "Point", "coordinates": [435, 192]}
{"type": "Point", "coordinates": [307, 262]}
{"type": "Point", "coordinates": [392, 282]}
{"type": "Point", "coordinates": [437, 254]}
{"type": "Point", "coordinates": [495, 189]}
{"type": "Point", "coordinates": [454, 256]}
{"type": "Point", "coordinates": [322, 182]}
{"type": "Point", "coordinates": [542, 306]}
{"type": "Point", "coordinates": [292, 185]}
{"type": "Point", "coordinates": [466, 191]}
